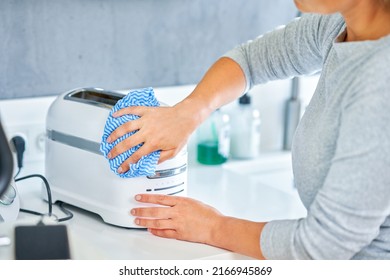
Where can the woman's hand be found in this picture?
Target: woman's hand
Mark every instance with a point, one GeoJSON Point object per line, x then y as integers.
{"type": "Point", "coordinates": [159, 128]}
{"type": "Point", "coordinates": [191, 220]}
{"type": "Point", "coordinates": [183, 219]}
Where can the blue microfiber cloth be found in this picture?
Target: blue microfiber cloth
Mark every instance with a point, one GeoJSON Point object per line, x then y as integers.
{"type": "Point", "coordinates": [146, 166]}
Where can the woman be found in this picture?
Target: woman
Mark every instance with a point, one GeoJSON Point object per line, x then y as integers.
{"type": "Point", "coordinates": [341, 149]}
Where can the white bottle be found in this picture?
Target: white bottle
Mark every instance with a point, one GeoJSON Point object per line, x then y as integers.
{"type": "Point", "coordinates": [245, 130]}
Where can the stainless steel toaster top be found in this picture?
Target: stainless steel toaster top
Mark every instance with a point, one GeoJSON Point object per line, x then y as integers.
{"type": "Point", "coordinates": [95, 96]}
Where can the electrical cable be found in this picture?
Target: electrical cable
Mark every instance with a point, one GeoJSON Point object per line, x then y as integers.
{"type": "Point", "coordinates": [30, 212]}
{"type": "Point", "coordinates": [17, 173]}
{"type": "Point", "coordinates": [20, 147]}
{"type": "Point", "coordinates": [49, 199]}
{"type": "Point", "coordinates": [66, 211]}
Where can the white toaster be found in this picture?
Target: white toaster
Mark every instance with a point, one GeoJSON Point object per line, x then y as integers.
{"type": "Point", "coordinates": [80, 175]}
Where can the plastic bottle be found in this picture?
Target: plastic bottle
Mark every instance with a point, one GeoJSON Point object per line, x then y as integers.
{"type": "Point", "coordinates": [245, 129]}
{"type": "Point", "coordinates": [213, 139]}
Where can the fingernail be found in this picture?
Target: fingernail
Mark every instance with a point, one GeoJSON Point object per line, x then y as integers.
{"type": "Point", "coordinates": [120, 170]}
{"type": "Point", "coordinates": [115, 114]}
{"type": "Point", "coordinates": [132, 212]}
{"type": "Point", "coordinates": [109, 139]}
{"type": "Point", "coordinates": [138, 197]}
{"type": "Point", "coordinates": [109, 155]}
{"type": "Point", "coordinates": [136, 221]}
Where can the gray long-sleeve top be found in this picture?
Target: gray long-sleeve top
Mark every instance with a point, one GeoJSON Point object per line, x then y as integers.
{"type": "Point", "coordinates": [341, 149]}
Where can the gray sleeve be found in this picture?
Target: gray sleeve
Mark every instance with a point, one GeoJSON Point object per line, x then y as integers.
{"type": "Point", "coordinates": [295, 49]}
{"type": "Point", "coordinates": [353, 202]}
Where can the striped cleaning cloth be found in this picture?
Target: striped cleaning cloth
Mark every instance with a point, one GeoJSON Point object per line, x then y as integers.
{"type": "Point", "coordinates": [146, 166]}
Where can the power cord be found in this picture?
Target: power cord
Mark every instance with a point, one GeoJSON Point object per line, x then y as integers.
{"type": "Point", "coordinates": [20, 147]}
{"type": "Point", "coordinates": [49, 200]}
{"type": "Point", "coordinates": [66, 211]}
{"type": "Point", "coordinates": [47, 190]}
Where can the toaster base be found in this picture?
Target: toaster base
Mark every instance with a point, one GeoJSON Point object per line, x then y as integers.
{"type": "Point", "coordinates": [110, 214]}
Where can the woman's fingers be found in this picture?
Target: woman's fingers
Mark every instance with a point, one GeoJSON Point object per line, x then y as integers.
{"type": "Point", "coordinates": [152, 212]}
{"type": "Point", "coordinates": [165, 200]}
{"type": "Point", "coordinates": [165, 233]}
{"type": "Point", "coordinates": [143, 150]}
{"type": "Point", "coordinates": [132, 110]}
{"type": "Point", "coordinates": [134, 158]}
{"type": "Point", "coordinates": [125, 128]}
{"type": "Point", "coordinates": [155, 217]}
{"type": "Point", "coordinates": [125, 145]}
{"type": "Point", "coordinates": [154, 223]}
{"type": "Point", "coordinates": [165, 155]}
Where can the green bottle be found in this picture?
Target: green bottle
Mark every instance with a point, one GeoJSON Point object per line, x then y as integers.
{"type": "Point", "coordinates": [213, 139]}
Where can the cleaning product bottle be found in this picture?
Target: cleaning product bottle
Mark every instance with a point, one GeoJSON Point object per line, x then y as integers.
{"type": "Point", "coordinates": [245, 132]}
{"type": "Point", "coordinates": [213, 143]}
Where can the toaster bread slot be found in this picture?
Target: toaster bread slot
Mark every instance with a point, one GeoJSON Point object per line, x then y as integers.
{"type": "Point", "coordinates": [95, 96]}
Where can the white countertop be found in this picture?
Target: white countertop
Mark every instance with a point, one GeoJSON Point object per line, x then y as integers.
{"type": "Point", "coordinates": [258, 190]}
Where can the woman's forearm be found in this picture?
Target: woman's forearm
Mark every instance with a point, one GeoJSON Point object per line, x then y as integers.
{"type": "Point", "coordinates": [222, 83]}
{"type": "Point", "coordinates": [237, 235]}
